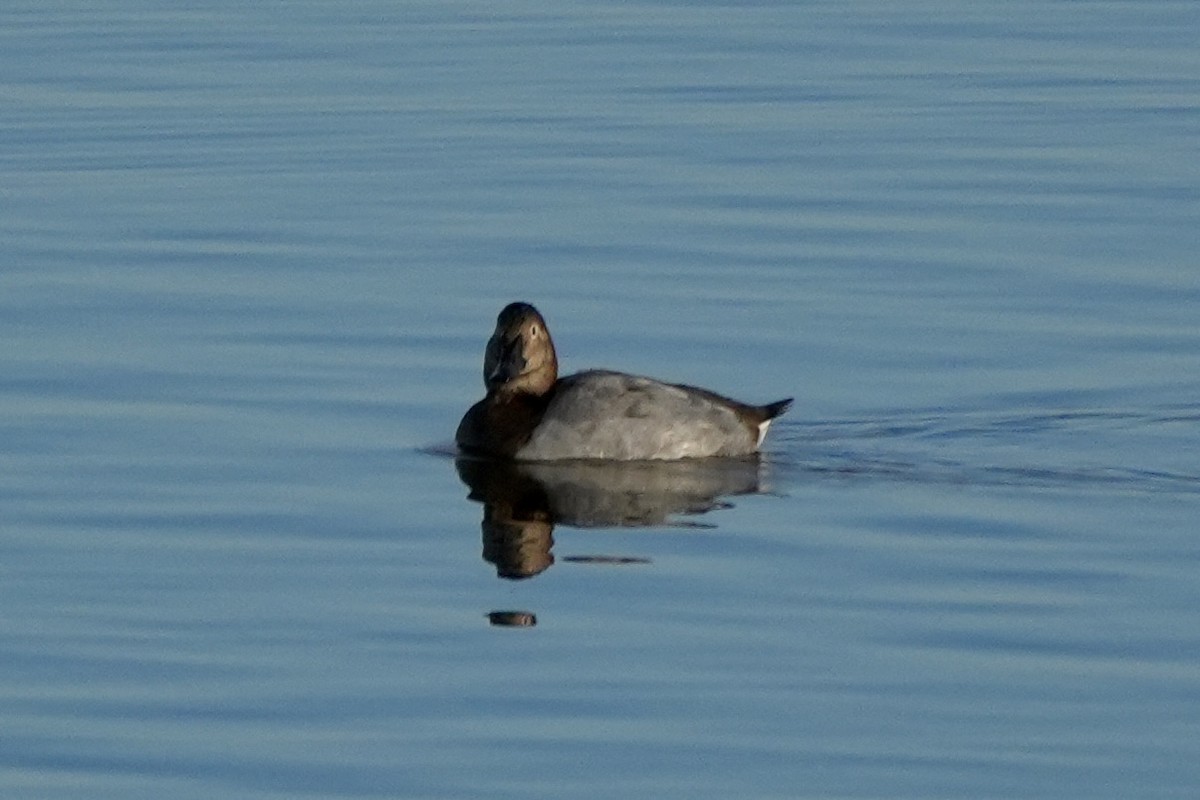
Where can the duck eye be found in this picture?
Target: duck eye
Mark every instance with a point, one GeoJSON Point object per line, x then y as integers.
{"type": "Point", "coordinates": [534, 331]}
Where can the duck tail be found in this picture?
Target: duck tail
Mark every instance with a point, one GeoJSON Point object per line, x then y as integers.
{"type": "Point", "coordinates": [772, 410]}
{"type": "Point", "coordinates": [767, 413]}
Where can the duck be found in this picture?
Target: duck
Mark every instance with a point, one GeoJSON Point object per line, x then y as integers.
{"type": "Point", "coordinates": [531, 414]}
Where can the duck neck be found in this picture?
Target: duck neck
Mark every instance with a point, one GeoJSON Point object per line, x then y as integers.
{"type": "Point", "coordinates": [536, 383]}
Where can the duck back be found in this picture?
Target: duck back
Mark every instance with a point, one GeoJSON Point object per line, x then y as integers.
{"type": "Point", "coordinates": [612, 415]}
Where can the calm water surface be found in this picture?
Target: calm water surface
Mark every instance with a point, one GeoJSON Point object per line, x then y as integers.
{"type": "Point", "coordinates": [251, 255]}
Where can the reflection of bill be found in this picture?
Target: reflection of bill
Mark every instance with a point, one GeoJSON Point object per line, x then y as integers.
{"type": "Point", "coordinates": [522, 502]}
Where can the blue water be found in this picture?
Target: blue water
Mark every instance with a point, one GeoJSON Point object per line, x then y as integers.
{"type": "Point", "coordinates": [250, 257]}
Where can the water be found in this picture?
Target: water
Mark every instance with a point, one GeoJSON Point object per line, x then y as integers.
{"type": "Point", "coordinates": [251, 256]}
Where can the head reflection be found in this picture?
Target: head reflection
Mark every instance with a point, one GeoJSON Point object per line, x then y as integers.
{"type": "Point", "coordinates": [520, 548]}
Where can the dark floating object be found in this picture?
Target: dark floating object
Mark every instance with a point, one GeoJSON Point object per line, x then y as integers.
{"type": "Point", "coordinates": [512, 619]}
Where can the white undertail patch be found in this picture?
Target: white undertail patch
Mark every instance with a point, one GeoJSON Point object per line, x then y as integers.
{"type": "Point", "coordinates": [762, 432]}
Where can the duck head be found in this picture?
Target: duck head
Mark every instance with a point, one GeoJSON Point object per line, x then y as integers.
{"type": "Point", "coordinates": [520, 355]}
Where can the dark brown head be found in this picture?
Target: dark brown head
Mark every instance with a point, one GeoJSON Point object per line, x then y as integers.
{"type": "Point", "coordinates": [520, 355]}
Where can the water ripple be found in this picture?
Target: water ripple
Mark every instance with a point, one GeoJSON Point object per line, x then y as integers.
{"type": "Point", "coordinates": [969, 448]}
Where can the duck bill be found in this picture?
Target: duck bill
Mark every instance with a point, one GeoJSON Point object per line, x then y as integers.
{"type": "Point", "coordinates": [509, 364]}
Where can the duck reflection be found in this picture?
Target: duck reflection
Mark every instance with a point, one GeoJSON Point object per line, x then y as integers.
{"type": "Point", "coordinates": [522, 502]}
